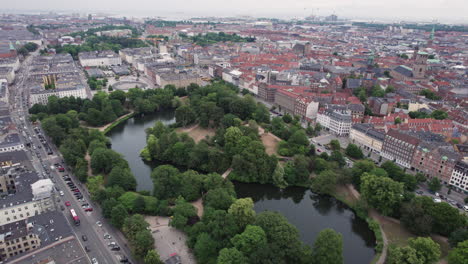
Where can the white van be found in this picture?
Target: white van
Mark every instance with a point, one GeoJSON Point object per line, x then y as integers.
{"type": "Point", "coordinates": [466, 208]}
{"type": "Point", "coordinates": [437, 200]}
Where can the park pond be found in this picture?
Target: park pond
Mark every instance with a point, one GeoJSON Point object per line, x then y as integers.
{"type": "Point", "coordinates": [308, 211]}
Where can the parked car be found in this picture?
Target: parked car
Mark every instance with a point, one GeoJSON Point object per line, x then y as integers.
{"type": "Point", "coordinates": [98, 223]}
{"type": "Point", "coordinates": [89, 209]}
{"type": "Point", "coordinates": [87, 249]}
{"type": "Point", "coordinates": [67, 203]}
{"type": "Point", "coordinates": [84, 237]}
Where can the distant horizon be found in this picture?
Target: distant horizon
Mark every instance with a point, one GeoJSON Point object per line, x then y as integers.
{"type": "Point", "coordinates": [419, 11]}
{"type": "Point", "coordinates": [185, 16]}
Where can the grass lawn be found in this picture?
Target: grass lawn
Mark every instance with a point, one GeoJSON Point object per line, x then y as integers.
{"type": "Point", "coordinates": [398, 235]}
{"type": "Point", "coordinates": [196, 132]}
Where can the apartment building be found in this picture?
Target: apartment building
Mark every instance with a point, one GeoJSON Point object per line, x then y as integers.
{"type": "Point", "coordinates": [337, 121]}
{"type": "Point", "coordinates": [435, 159]}
{"type": "Point", "coordinates": [32, 196]}
{"type": "Point", "coordinates": [367, 137]}
{"type": "Point", "coordinates": [459, 177]}
{"type": "Point", "coordinates": [399, 147]}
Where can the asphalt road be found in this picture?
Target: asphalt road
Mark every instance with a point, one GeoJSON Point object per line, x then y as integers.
{"type": "Point", "coordinates": [42, 163]}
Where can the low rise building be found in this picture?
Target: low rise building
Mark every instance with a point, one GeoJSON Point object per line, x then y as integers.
{"type": "Point", "coordinates": [99, 58]}
{"type": "Point", "coordinates": [12, 62]}
{"type": "Point", "coordinates": [177, 79]}
{"type": "Point", "coordinates": [7, 73]}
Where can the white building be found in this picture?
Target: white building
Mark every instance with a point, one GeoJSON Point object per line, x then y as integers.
{"type": "Point", "coordinates": [29, 199]}
{"type": "Point", "coordinates": [10, 62]}
{"type": "Point", "coordinates": [337, 121]}
{"type": "Point", "coordinates": [99, 58]}
{"type": "Point", "coordinates": [459, 178]}
{"type": "Point", "coordinates": [7, 73]}
{"type": "Point", "coordinates": [42, 96]}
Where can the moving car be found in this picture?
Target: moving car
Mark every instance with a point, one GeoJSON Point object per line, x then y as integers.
{"type": "Point", "coordinates": [67, 203]}
{"type": "Point", "coordinates": [98, 223]}
{"type": "Point", "coordinates": [84, 237]}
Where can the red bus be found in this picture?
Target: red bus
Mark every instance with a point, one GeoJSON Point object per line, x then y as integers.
{"type": "Point", "coordinates": [75, 217]}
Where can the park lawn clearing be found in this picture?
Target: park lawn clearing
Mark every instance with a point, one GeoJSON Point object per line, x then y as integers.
{"type": "Point", "coordinates": [196, 132]}
{"type": "Point", "coordinates": [398, 235]}
{"type": "Point", "coordinates": [270, 142]}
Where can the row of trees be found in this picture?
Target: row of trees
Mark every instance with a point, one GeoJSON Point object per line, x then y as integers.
{"type": "Point", "coordinates": [211, 38]}
{"type": "Point", "coordinates": [102, 109]}
{"type": "Point", "coordinates": [437, 114]}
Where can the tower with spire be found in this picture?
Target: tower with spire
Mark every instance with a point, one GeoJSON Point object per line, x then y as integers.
{"type": "Point", "coordinates": [431, 37]}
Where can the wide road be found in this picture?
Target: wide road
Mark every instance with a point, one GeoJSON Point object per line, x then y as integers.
{"type": "Point", "coordinates": [43, 163]}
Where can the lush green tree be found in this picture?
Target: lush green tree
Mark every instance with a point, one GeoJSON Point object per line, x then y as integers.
{"type": "Point", "coordinates": [103, 160]}
{"type": "Point", "coordinates": [328, 247]}
{"type": "Point", "coordinates": [354, 151]}
{"type": "Point", "coordinates": [287, 118]}
{"type": "Point", "coordinates": [446, 218]}
{"type": "Point", "coordinates": [152, 257]}
{"type": "Point", "coordinates": [335, 144]}
{"type": "Point", "coordinates": [434, 184]}
{"type": "Point", "coordinates": [118, 215]}
{"type": "Point", "coordinates": [384, 194]}
{"type": "Point", "coordinates": [205, 249]}
{"type": "Point", "coordinates": [283, 238]}
{"type": "Point", "coordinates": [426, 249]}
{"type": "Point", "coordinates": [338, 158]}
{"type": "Point", "coordinates": [415, 218]}
{"type": "Point", "coordinates": [359, 168]}
{"type": "Point", "coordinates": [230, 120]}
{"type": "Point", "coordinates": [183, 211]}
{"type": "Point", "coordinates": [457, 236]}
{"type": "Point", "coordinates": [403, 255]}
{"type": "Point", "coordinates": [107, 206]}
{"type": "Point", "coordinates": [219, 198]}
{"type": "Point", "coordinates": [118, 95]}
{"type": "Point", "coordinates": [459, 255]}
{"type": "Point", "coordinates": [242, 211]}
{"type": "Point", "coordinates": [250, 240]}
{"type": "Point", "coordinates": [324, 182]}
{"type": "Point", "coordinates": [132, 225]}
{"type": "Point", "coordinates": [143, 243]}
{"type": "Point", "coordinates": [231, 256]}
{"type": "Point", "coordinates": [278, 176]}
{"type": "Point", "coordinates": [167, 181]}
{"type": "Point", "coordinates": [439, 114]}
{"type": "Point", "coordinates": [185, 115]}
{"type": "Point", "coordinates": [123, 177]}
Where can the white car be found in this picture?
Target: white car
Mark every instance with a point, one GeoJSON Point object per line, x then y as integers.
{"type": "Point", "coordinates": [94, 261]}
{"type": "Point", "coordinates": [61, 193]}
{"type": "Point", "coordinates": [437, 200]}
{"type": "Point", "coordinates": [98, 223]}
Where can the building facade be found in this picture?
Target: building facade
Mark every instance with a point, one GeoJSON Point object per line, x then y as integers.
{"type": "Point", "coordinates": [337, 121]}
{"type": "Point", "coordinates": [399, 147]}
{"type": "Point", "coordinates": [459, 177]}
{"type": "Point", "coordinates": [99, 58]}
{"type": "Point", "coordinates": [435, 160]}
{"type": "Point", "coordinates": [367, 137]}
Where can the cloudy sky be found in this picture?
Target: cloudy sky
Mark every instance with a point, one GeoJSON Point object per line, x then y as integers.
{"type": "Point", "coordinates": [394, 10]}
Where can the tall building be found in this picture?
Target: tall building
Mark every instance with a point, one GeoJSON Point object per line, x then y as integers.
{"type": "Point", "coordinates": [420, 64]}
{"type": "Point", "coordinates": [459, 177]}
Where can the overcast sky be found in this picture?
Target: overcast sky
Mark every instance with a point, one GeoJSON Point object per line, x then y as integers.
{"type": "Point", "coordinates": [426, 10]}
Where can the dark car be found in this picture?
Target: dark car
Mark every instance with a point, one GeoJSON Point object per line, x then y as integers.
{"type": "Point", "coordinates": [87, 249]}
{"type": "Point", "coordinates": [419, 192]}
{"type": "Point", "coordinates": [115, 248]}
{"type": "Point", "coordinates": [459, 205]}
{"type": "Point", "coordinates": [84, 237]}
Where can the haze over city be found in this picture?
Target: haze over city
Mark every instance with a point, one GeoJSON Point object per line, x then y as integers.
{"type": "Point", "coordinates": [450, 11]}
{"type": "Point", "coordinates": [233, 132]}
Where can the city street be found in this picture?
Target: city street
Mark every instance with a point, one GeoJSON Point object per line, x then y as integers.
{"type": "Point", "coordinates": [43, 163]}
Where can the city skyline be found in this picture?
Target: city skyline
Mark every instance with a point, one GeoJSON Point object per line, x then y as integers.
{"type": "Point", "coordinates": [452, 11]}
